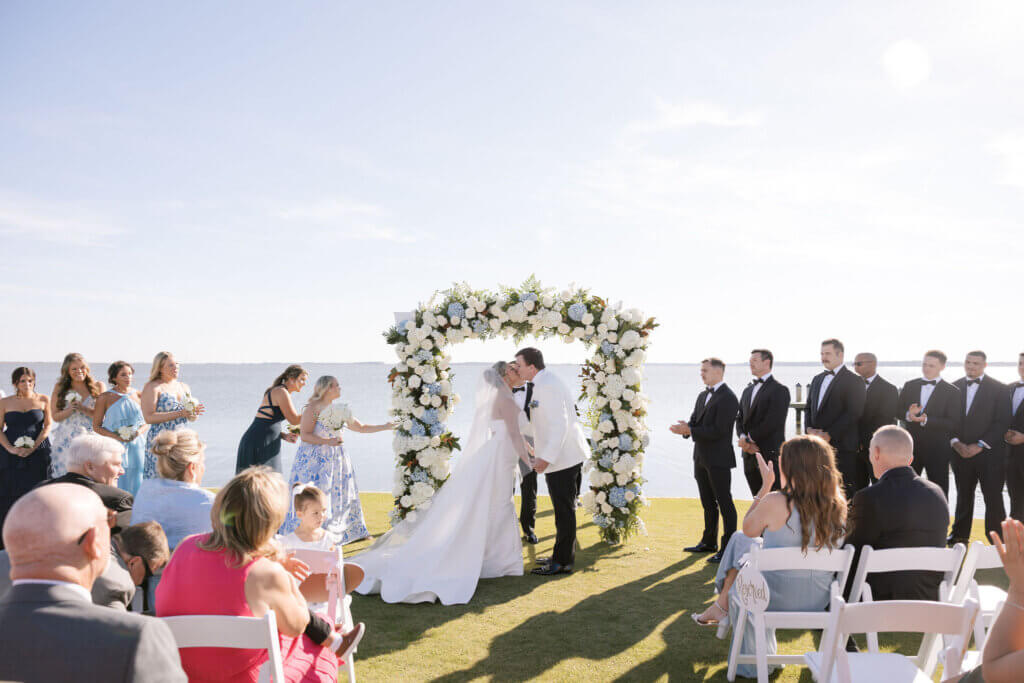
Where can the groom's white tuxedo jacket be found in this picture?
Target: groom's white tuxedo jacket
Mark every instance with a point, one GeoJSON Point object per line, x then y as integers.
{"type": "Point", "coordinates": [557, 435]}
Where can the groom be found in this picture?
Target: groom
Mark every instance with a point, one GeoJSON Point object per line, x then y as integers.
{"type": "Point", "coordinates": [559, 450]}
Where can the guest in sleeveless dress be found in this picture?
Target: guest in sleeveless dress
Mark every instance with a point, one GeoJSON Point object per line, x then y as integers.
{"type": "Point", "coordinates": [163, 404]}
{"type": "Point", "coordinates": [809, 512]}
{"type": "Point", "coordinates": [73, 417]}
{"type": "Point", "coordinates": [320, 460]}
{"type": "Point", "coordinates": [240, 570]}
{"type": "Point", "coordinates": [261, 443]}
{"type": "Point", "coordinates": [25, 414]}
{"type": "Point", "coordinates": [121, 408]}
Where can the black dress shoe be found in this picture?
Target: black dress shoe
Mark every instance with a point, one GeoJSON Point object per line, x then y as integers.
{"type": "Point", "coordinates": [531, 538]}
{"type": "Point", "coordinates": [551, 569]}
{"type": "Point", "coordinates": [717, 557]}
{"type": "Point", "coordinates": [542, 560]}
{"type": "Point", "coordinates": [701, 547]}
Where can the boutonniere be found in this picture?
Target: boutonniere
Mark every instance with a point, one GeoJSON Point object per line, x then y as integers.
{"type": "Point", "coordinates": [533, 404]}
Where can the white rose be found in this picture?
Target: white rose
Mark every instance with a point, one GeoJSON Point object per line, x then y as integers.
{"type": "Point", "coordinates": [435, 401]}
{"type": "Point", "coordinates": [589, 330]}
{"type": "Point", "coordinates": [601, 497]}
{"type": "Point", "coordinates": [630, 339]}
{"type": "Point", "coordinates": [410, 516]}
{"type": "Point", "coordinates": [405, 501]}
{"type": "Point", "coordinates": [613, 324]}
{"type": "Point", "coordinates": [547, 301]}
{"type": "Point", "coordinates": [615, 404]}
{"type": "Point", "coordinates": [470, 313]}
{"type": "Point", "coordinates": [435, 441]}
{"type": "Point", "coordinates": [480, 306]}
{"type": "Point", "coordinates": [606, 508]}
{"type": "Point", "coordinates": [425, 399]}
{"type": "Point", "coordinates": [630, 496]}
{"type": "Point", "coordinates": [446, 388]}
{"type": "Point", "coordinates": [596, 479]}
{"type": "Point", "coordinates": [628, 395]}
{"type": "Point", "coordinates": [418, 411]}
{"type": "Point", "coordinates": [430, 375]}
{"type": "Point", "coordinates": [631, 376]}
{"type": "Point", "coordinates": [600, 402]}
{"type": "Point", "coordinates": [529, 304]}
{"type": "Point", "coordinates": [420, 369]}
{"type": "Point", "coordinates": [587, 319]}
{"type": "Point", "coordinates": [577, 333]}
{"type": "Point", "coordinates": [415, 381]}
{"type": "Point", "coordinates": [563, 328]}
{"type": "Point", "coordinates": [495, 324]}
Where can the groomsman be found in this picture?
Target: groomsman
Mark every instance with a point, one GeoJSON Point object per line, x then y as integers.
{"type": "Point", "coordinates": [835, 403]}
{"type": "Point", "coordinates": [881, 407]}
{"type": "Point", "coordinates": [761, 422]}
{"type": "Point", "coordinates": [930, 411]}
{"type": "Point", "coordinates": [1014, 438]}
{"type": "Point", "coordinates": [710, 426]}
{"type": "Point", "coordinates": [979, 454]}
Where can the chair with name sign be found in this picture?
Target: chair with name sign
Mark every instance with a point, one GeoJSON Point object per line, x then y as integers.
{"type": "Point", "coordinates": [339, 603]}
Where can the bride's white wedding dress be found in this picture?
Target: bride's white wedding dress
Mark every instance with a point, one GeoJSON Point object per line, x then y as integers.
{"type": "Point", "coordinates": [470, 531]}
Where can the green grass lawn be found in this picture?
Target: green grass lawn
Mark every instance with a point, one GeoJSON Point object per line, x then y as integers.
{"type": "Point", "coordinates": [623, 615]}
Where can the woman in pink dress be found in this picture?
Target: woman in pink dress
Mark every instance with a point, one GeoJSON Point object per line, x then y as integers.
{"type": "Point", "coordinates": [240, 570]}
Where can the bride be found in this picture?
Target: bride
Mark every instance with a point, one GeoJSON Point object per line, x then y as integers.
{"type": "Point", "coordinates": [470, 531]}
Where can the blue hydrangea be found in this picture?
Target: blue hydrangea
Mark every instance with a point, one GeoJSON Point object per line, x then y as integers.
{"type": "Point", "coordinates": [403, 326]}
{"type": "Point", "coordinates": [529, 296]}
{"type": "Point", "coordinates": [625, 442]}
{"type": "Point", "coordinates": [602, 521]}
{"type": "Point", "coordinates": [417, 429]}
{"type": "Point", "coordinates": [479, 326]}
{"type": "Point", "coordinates": [419, 475]}
{"type": "Point", "coordinates": [605, 461]}
{"type": "Point", "coordinates": [436, 429]}
{"type": "Point", "coordinates": [423, 355]}
{"type": "Point", "coordinates": [605, 416]}
{"type": "Point", "coordinates": [607, 348]}
{"type": "Point", "coordinates": [456, 310]}
{"type": "Point", "coordinates": [429, 416]}
{"type": "Point", "coordinates": [617, 496]}
{"type": "Point", "coordinates": [434, 389]}
{"type": "Point", "coordinates": [577, 311]}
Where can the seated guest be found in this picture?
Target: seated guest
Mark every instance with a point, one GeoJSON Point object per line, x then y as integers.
{"type": "Point", "coordinates": [901, 510]}
{"type": "Point", "coordinates": [94, 461]}
{"type": "Point", "coordinates": [176, 499]}
{"type": "Point", "coordinates": [809, 512]}
{"type": "Point", "coordinates": [239, 569]}
{"type": "Point", "coordinates": [58, 540]}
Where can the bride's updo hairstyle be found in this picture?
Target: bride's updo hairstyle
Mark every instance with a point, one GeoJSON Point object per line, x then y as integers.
{"type": "Point", "coordinates": [321, 387]}
{"type": "Point", "coordinates": [175, 450]}
{"type": "Point", "coordinates": [246, 514]}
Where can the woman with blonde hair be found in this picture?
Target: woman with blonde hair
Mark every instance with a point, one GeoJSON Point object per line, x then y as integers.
{"type": "Point", "coordinates": [809, 512]}
{"type": "Point", "coordinates": [239, 569]}
{"type": "Point", "coordinates": [71, 405]}
{"type": "Point", "coordinates": [321, 461]}
{"type": "Point", "coordinates": [261, 443]}
{"type": "Point", "coordinates": [163, 404]}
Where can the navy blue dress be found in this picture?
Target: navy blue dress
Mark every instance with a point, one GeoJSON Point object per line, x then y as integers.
{"type": "Point", "coordinates": [261, 443]}
{"type": "Point", "coordinates": [20, 475]}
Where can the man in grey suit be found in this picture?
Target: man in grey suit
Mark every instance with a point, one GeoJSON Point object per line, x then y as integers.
{"type": "Point", "coordinates": [58, 541]}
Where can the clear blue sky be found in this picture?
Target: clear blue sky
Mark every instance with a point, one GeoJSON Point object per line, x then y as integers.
{"type": "Point", "coordinates": [270, 181]}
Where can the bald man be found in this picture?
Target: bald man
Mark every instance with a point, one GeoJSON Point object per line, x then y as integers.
{"type": "Point", "coordinates": [58, 541]}
{"type": "Point", "coordinates": [901, 510]}
{"type": "Point", "coordinates": [881, 407]}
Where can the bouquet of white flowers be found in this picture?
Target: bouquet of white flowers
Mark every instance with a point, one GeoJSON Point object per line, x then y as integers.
{"type": "Point", "coordinates": [24, 442]}
{"type": "Point", "coordinates": [190, 404]}
{"type": "Point", "coordinates": [72, 397]}
{"type": "Point", "coordinates": [127, 433]}
{"type": "Point", "coordinates": [335, 416]}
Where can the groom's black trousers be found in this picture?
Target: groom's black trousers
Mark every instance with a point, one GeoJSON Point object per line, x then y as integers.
{"type": "Point", "coordinates": [528, 506]}
{"type": "Point", "coordinates": [562, 488]}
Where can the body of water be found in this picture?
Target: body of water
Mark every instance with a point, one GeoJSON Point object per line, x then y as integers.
{"type": "Point", "coordinates": [232, 392]}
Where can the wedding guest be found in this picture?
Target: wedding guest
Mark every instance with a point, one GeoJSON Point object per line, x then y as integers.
{"type": "Point", "coordinates": [239, 569]}
{"type": "Point", "coordinates": [176, 498]}
{"type": "Point", "coordinates": [261, 443]}
{"type": "Point", "coordinates": [835, 403]}
{"type": "Point", "coordinates": [163, 404]}
{"type": "Point", "coordinates": [761, 422]}
{"type": "Point", "coordinates": [120, 410]}
{"type": "Point", "coordinates": [25, 418]}
{"type": "Point", "coordinates": [930, 411]}
{"type": "Point", "coordinates": [522, 394]}
{"type": "Point", "coordinates": [94, 462]}
{"type": "Point", "coordinates": [902, 510]}
{"type": "Point", "coordinates": [808, 512]}
{"type": "Point", "coordinates": [979, 453]}
{"type": "Point", "coordinates": [71, 405]}
{"type": "Point", "coordinates": [59, 542]}
{"type": "Point", "coordinates": [1014, 438]}
{"type": "Point", "coordinates": [881, 407]}
{"type": "Point", "coordinates": [710, 426]}
{"type": "Point", "coordinates": [320, 460]}
{"type": "Point", "coordinates": [310, 505]}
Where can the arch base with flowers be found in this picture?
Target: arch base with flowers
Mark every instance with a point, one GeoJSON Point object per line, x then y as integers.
{"type": "Point", "coordinates": [423, 399]}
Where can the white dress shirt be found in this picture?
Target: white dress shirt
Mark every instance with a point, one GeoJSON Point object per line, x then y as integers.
{"type": "Point", "coordinates": [80, 590]}
{"type": "Point", "coordinates": [869, 380]}
{"type": "Point", "coordinates": [926, 391]}
{"type": "Point", "coordinates": [757, 387]}
{"type": "Point", "coordinates": [826, 382]}
{"type": "Point", "coordinates": [707, 396]}
{"type": "Point", "coordinates": [1018, 398]}
{"type": "Point", "coordinates": [525, 428]}
{"type": "Point", "coordinates": [972, 391]}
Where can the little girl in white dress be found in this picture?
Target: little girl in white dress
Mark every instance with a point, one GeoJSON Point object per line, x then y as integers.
{"type": "Point", "coordinates": [310, 508]}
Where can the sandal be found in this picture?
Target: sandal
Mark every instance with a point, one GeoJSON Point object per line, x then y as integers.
{"type": "Point", "coordinates": [724, 618]}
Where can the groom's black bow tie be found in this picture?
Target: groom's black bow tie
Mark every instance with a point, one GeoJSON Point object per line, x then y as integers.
{"type": "Point", "coordinates": [758, 380]}
{"type": "Point", "coordinates": [929, 381]}
{"type": "Point", "coordinates": [973, 381]}
{"type": "Point", "coordinates": [515, 389]}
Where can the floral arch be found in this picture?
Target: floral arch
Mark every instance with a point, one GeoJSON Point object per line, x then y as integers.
{"type": "Point", "coordinates": [423, 399]}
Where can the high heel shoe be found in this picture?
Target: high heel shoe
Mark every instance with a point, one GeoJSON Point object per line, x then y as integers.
{"type": "Point", "coordinates": [713, 621]}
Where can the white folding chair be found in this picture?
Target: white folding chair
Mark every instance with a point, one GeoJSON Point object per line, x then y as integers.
{"type": "Point", "coordinates": [339, 603]}
{"type": "Point", "coordinates": [945, 560]}
{"type": "Point", "coordinates": [256, 633]}
{"type": "Point", "coordinates": [832, 663]}
{"type": "Point", "coordinates": [773, 559]}
{"type": "Point", "coordinates": [990, 599]}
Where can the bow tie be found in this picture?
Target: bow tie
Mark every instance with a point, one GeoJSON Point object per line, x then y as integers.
{"type": "Point", "coordinates": [710, 390]}
{"type": "Point", "coordinates": [757, 381]}
{"type": "Point", "coordinates": [867, 381]}
{"type": "Point", "coordinates": [929, 381]}
{"type": "Point", "coordinates": [515, 389]}
{"type": "Point", "coordinates": [830, 372]}
{"type": "Point", "coordinates": [973, 381]}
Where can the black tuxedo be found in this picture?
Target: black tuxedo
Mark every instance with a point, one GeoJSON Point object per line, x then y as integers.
{"type": "Point", "coordinates": [986, 422]}
{"type": "Point", "coordinates": [763, 420]}
{"type": "Point", "coordinates": [713, 457]}
{"type": "Point", "coordinates": [118, 500]}
{"type": "Point", "coordinates": [1015, 457]}
{"type": "Point", "coordinates": [902, 510]}
{"type": "Point", "coordinates": [881, 407]}
{"type": "Point", "coordinates": [931, 441]}
{"type": "Point", "coordinates": [838, 411]}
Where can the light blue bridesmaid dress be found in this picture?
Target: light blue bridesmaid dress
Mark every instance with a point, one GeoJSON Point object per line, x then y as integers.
{"type": "Point", "coordinates": [126, 413]}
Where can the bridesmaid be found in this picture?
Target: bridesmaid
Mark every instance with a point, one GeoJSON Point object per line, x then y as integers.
{"type": "Point", "coordinates": [122, 407]}
{"type": "Point", "coordinates": [261, 443]}
{"type": "Point", "coordinates": [320, 460]}
{"type": "Point", "coordinates": [25, 414]}
{"type": "Point", "coordinates": [74, 417]}
{"type": "Point", "coordinates": [162, 404]}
